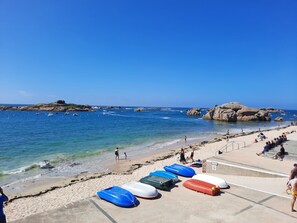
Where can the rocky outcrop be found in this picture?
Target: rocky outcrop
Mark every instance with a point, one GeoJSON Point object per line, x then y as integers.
{"type": "Point", "coordinates": [252, 114]}
{"type": "Point", "coordinates": [273, 110]}
{"type": "Point", "coordinates": [194, 112]}
{"type": "Point", "coordinates": [278, 119]}
{"type": "Point", "coordinates": [234, 111]}
{"type": "Point", "coordinates": [139, 109]}
{"type": "Point", "coordinates": [58, 106]}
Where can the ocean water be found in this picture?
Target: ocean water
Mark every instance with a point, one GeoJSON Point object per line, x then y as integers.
{"type": "Point", "coordinates": [82, 143]}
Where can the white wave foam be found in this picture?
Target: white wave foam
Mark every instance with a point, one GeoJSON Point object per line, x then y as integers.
{"type": "Point", "coordinates": [20, 170]}
{"type": "Point", "coordinates": [166, 118]}
{"type": "Point", "coordinates": [164, 144]}
{"type": "Point", "coordinates": [108, 112]}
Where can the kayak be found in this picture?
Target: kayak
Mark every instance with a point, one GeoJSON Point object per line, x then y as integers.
{"type": "Point", "coordinates": [141, 189]}
{"type": "Point", "coordinates": [202, 187]}
{"type": "Point", "coordinates": [118, 196]}
{"type": "Point", "coordinates": [158, 182]}
{"type": "Point", "coordinates": [180, 170]}
{"type": "Point", "coordinates": [211, 179]}
{"type": "Point", "coordinates": [165, 174]}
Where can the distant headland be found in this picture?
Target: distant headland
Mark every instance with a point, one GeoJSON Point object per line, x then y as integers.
{"type": "Point", "coordinates": [58, 106]}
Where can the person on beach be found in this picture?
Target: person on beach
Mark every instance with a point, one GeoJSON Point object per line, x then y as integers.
{"type": "Point", "coordinates": [293, 173]}
{"type": "Point", "coordinates": [192, 156]}
{"type": "Point", "coordinates": [261, 136]}
{"type": "Point", "coordinates": [182, 158]}
{"type": "Point", "coordinates": [185, 139]}
{"type": "Point", "coordinates": [293, 187]}
{"type": "Point", "coordinates": [3, 198]}
{"type": "Point", "coordinates": [265, 149]}
{"type": "Point", "coordinates": [280, 155]}
{"type": "Point", "coordinates": [125, 155]}
{"type": "Point", "coordinates": [116, 153]}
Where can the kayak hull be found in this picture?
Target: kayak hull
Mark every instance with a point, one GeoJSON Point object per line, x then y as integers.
{"type": "Point", "coordinates": [165, 174]}
{"type": "Point", "coordinates": [180, 170]}
{"type": "Point", "coordinates": [118, 196]}
{"type": "Point", "coordinates": [158, 182]}
{"type": "Point", "coordinates": [202, 187]}
{"type": "Point", "coordinates": [212, 180]}
{"type": "Point", "coordinates": [141, 190]}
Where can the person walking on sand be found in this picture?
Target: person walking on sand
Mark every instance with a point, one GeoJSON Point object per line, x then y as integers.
{"type": "Point", "coordinates": [125, 155]}
{"type": "Point", "coordinates": [3, 198]}
{"type": "Point", "coordinates": [116, 153]}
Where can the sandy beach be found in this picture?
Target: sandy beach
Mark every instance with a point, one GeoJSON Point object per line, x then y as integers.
{"type": "Point", "coordinates": [60, 194]}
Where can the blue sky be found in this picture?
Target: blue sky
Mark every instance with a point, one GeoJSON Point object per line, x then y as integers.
{"type": "Point", "coordinates": [149, 53]}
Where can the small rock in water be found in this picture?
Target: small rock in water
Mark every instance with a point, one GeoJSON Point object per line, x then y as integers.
{"type": "Point", "coordinates": [74, 164]}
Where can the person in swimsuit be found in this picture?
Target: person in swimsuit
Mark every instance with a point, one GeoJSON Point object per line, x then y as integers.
{"type": "Point", "coordinates": [116, 153]}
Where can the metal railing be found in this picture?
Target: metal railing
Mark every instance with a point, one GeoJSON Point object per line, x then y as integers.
{"type": "Point", "coordinates": [231, 146]}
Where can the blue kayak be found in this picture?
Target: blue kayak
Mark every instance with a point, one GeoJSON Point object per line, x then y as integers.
{"type": "Point", "coordinates": [180, 170]}
{"type": "Point", "coordinates": [165, 174]}
{"type": "Point", "coordinates": [118, 196]}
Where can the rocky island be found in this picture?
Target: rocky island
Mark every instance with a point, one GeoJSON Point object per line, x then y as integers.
{"type": "Point", "coordinates": [234, 111]}
{"type": "Point", "coordinates": [58, 106]}
{"type": "Point", "coordinates": [194, 112]}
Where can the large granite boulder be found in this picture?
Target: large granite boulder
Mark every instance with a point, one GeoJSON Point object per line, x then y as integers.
{"type": "Point", "coordinates": [194, 112]}
{"type": "Point", "coordinates": [222, 114]}
{"type": "Point", "coordinates": [278, 119]}
{"type": "Point", "coordinates": [252, 114]}
{"type": "Point", "coordinates": [234, 111]}
{"type": "Point", "coordinates": [235, 106]}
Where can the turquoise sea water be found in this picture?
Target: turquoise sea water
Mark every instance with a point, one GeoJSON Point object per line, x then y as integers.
{"type": "Point", "coordinates": [28, 138]}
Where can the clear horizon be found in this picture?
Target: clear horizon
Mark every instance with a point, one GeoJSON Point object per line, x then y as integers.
{"type": "Point", "coordinates": [151, 54]}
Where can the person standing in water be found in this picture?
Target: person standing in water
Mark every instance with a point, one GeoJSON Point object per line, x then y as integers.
{"type": "Point", "coordinates": [116, 153]}
{"type": "Point", "coordinates": [185, 139]}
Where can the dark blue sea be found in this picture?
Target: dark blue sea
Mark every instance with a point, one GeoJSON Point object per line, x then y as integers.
{"type": "Point", "coordinates": [82, 143]}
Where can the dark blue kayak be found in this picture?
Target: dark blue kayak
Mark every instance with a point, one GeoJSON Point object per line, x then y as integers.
{"type": "Point", "coordinates": [118, 196]}
{"type": "Point", "coordinates": [165, 174]}
{"type": "Point", "coordinates": [180, 170]}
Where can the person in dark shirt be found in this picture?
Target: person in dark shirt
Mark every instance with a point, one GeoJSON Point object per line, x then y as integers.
{"type": "Point", "coordinates": [182, 158]}
{"type": "Point", "coordinates": [3, 198]}
{"type": "Point", "coordinates": [280, 155]}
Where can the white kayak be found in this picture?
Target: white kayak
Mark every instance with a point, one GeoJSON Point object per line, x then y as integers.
{"type": "Point", "coordinates": [140, 189]}
{"type": "Point", "coordinates": [212, 180]}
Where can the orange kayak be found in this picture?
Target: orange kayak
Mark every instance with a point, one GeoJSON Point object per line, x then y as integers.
{"type": "Point", "coordinates": [202, 187]}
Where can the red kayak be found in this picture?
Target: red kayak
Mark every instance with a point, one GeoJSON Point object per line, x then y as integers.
{"type": "Point", "coordinates": [202, 187]}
